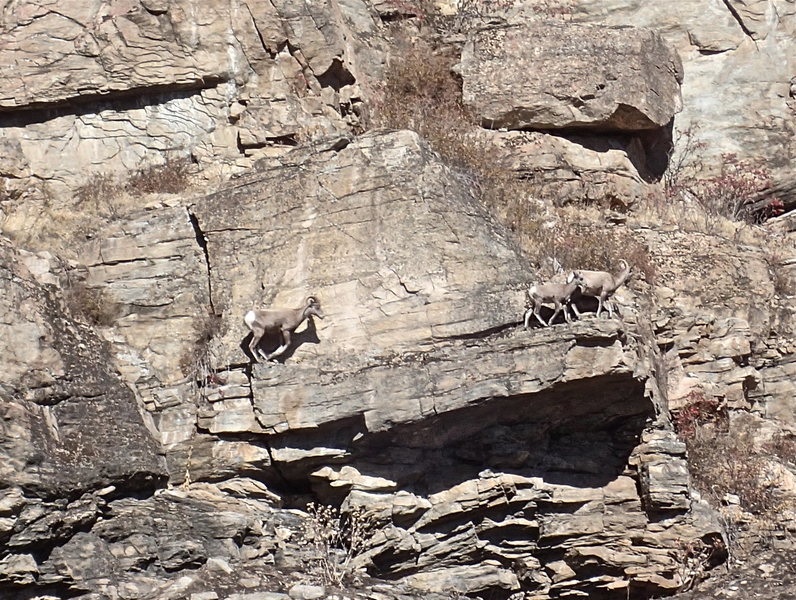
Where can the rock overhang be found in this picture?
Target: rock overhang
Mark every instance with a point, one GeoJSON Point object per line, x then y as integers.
{"type": "Point", "coordinates": [554, 76]}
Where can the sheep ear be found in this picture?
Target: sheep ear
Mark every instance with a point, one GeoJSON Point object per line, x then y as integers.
{"type": "Point", "coordinates": [571, 277]}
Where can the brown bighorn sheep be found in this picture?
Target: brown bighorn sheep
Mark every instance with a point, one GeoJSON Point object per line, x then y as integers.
{"type": "Point", "coordinates": [602, 285]}
{"type": "Point", "coordinates": [283, 320]}
{"type": "Point", "coordinates": [557, 293]}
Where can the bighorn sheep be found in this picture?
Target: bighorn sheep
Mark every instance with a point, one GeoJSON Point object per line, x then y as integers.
{"type": "Point", "coordinates": [557, 293]}
{"type": "Point", "coordinates": [602, 285]}
{"type": "Point", "coordinates": [283, 320]}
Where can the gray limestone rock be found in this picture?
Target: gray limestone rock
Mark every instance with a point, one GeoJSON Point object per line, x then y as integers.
{"type": "Point", "coordinates": [557, 76]}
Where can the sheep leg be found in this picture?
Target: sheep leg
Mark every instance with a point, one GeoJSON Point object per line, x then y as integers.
{"type": "Point", "coordinates": [528, 317]}
{"type": "Point", "coordinates": [599, 306]}
{"type": "Point", "coordinates": [610, 310]}
{"type": "Point", "coordinates": [575, 308]}
{"type": "Point", "coordinates": [536, 308]}
{"type": "Point", "coordinates": [555, 313]}
{"type": "Point", "coordinates": [282, 348]}
{"type": "Point", "coordinates": [257, 335]}
{"type": "Point", "coordinates": [566, 312]}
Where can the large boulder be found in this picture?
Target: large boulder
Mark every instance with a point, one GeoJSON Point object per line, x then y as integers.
{"type": "Point", "coordinates": [563, 76]}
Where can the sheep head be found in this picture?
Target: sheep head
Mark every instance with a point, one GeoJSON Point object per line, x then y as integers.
{"type": "Point", "coordinates": [313, 307]}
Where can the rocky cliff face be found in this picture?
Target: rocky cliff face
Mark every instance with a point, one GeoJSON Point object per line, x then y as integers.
{"type": "Point", "coordinates": [147, 456]}
{"type": "Point", "coordinates": [418, 398]}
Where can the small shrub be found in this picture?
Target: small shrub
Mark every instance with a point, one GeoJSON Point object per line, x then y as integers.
{"type": "Point", "coordinates": [698, 411]}
{"type": "Point", "coordinates": [335, 540]}
{"type": "Point", "coordinates": [783, 447]}
{"type": "Point", "coordinates": [196, 361]}
{"type": "Point", "coordinates": [100, 193]}
{"type": "Point", "coordinates": [697, 557]}
{"type": "Point", "coordinates": [685, 161]}
{"type": "Point", "coordinates": [170, 178]}
{"type": "Point", "coordinates": [729, 194]}
{"type": "Point", "coordinates": [90, 304]}
{"type": "Point", "coordinates": [723, 458]}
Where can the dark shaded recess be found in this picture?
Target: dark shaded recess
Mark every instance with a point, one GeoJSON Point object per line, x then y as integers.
{"type": "Point", "coordinates": [279, 140]}
{"type": "Point", "coordinates": [658, 146]}
{"type": "Point", "coordinates": [153, 11]}
{"type": "Point", "coordinates": [648, 150]}
{"type": "Point", "coordinates": [579, 433]}
{"type": "Point", "coordinates": [291, 480]}
{"type": "Point", "coordinates": [709, 52]}
{"type": "Point", "coordinates": [738, 18]}
{"type": "Point", "coordinates": [783, 190]}
{"type": "Point", "coordinates": [63, 591]}
{"type": "Point", "coordinates": [336, 76]}
{"type": "Point", "coordinates": [201, 240]}
{"type": "Point", "coordinates": [541, 434]}
{"type": "Point", "coordinates": [89, 104]}
{"type": "Point", "coordinates": [398, 15]}
{"type": "Point", "coordinates": [484, 333]}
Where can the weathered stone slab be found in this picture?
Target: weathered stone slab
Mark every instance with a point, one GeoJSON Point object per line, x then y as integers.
{"type": "Point", "coordinates": [557, 76]}
{"type": "Point", "coordinates": [738, 75]}
{"type": "Point", "coordinates": [73, 423]}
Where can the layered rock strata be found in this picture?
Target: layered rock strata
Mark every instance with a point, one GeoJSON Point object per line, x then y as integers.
{"type": "Point", "coordinates": [493, 459]}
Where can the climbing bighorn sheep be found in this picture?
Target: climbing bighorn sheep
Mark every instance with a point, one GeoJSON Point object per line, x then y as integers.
{"type": "Point", "coordinates": [557, 293]}
{"type": "Point", "coordinates": [602, 285]}
{"type": "Point", "coordinates": [282, 320]}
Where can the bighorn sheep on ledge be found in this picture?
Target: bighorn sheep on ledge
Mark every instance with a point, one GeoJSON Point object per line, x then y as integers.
{"type": "Point", "coordinates": [283, 320]}
{"type": "Point", "coordinates": [602, 285]}
{"type": "Point", "coordinates": [557, 293]}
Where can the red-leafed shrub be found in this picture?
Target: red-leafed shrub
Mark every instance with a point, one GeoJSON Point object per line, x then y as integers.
{"type": "Point", "coordinates": [723, 459]}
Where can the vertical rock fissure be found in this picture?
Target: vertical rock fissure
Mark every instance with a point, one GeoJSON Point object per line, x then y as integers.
{"type": "Point", "coordinates": [260, 36]}
{"type": "Point", "coordinates": [202, 241]}
{"type": "Point", "coordinates": [736, 15]}
{"type": "Point", "coordinates": [277, 468]}
{"type": "Point", "coordinates": [248, 370]}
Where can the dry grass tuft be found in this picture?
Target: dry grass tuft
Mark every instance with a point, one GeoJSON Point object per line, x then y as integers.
{"type": "Point", "coordinates": [90, 304]}
{"type": "Point", "coordinates": [334, 541]}
{"type": "Point", "coordinates": [103, 194]}
{"type": "Point", "coordinates": [196, 361]}
{"type": "Point", "coordinates": [423, 94]}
